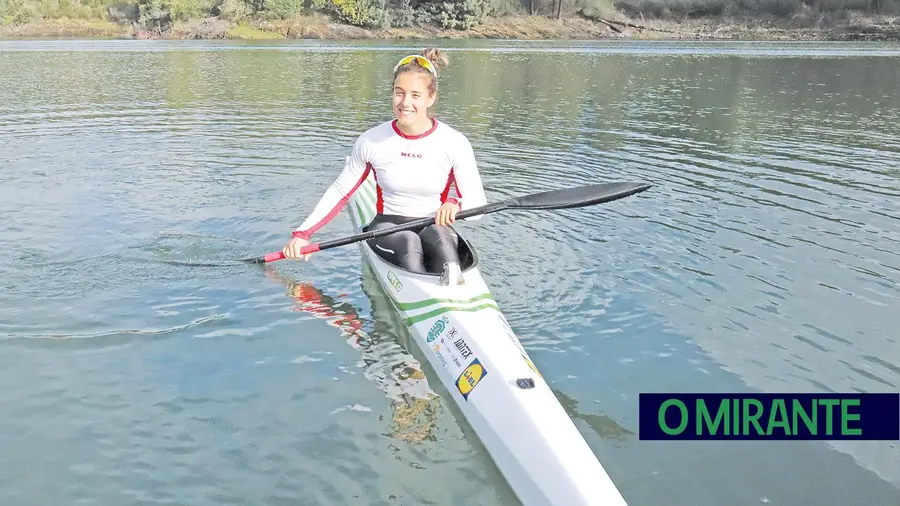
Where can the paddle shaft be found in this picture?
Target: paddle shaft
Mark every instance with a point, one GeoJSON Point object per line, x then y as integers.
{"type": "Point", "coordinates": [555, 199]}
{"type": "Point", "coordinates": [365, 236]}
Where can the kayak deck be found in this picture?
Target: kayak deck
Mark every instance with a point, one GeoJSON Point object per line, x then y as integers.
{"type": "Point", "coordinates": [481, 362]}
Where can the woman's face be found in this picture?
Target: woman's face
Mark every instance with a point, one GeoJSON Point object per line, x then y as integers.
{"type": "Point", "coordinates": [412, 98]}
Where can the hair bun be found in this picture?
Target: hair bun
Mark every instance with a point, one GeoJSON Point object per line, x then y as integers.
{"type": "Point", "coordinates": [437, 57]}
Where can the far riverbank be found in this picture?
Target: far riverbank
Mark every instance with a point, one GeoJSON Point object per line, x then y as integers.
{"type": "Point", "coordinates": [524, 27]}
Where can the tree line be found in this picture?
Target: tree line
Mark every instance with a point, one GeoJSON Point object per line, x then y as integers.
{"type": "Point", "coordinates": [452, 14]}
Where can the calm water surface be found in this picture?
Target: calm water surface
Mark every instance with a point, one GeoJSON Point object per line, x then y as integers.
{"type": "Point", "coordinates": [765, 258]}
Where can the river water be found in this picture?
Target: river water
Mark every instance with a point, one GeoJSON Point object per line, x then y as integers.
{"type": "Point", "coordinates": [764, 258]}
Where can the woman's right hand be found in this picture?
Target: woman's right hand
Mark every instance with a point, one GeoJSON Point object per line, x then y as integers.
{"type": "Point", "coordinates": [292, 249]}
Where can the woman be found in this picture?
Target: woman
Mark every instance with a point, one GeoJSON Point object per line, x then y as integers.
{"type": "Point", "coordinates": [415, 160]}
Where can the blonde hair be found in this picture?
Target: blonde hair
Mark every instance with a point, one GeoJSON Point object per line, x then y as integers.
{"type": "Point", "coordinates": [437, 58]}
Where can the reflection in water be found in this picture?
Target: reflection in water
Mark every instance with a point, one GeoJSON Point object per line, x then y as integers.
{"type": "Point", "coordinates": [604, 426]}
{"type": "Point", "coordinates": [395, 372]}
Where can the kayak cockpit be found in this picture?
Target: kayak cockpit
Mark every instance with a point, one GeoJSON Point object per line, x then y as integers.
{"type": "Point", "coordinates": [467, 256]}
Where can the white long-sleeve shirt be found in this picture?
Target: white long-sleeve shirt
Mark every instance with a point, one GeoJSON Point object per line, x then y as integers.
{"type": "Point", "coordinates": [414, 174]}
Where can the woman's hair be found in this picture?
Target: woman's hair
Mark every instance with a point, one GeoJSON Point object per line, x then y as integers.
{"type": "Point", "coordinates": [437, 58]}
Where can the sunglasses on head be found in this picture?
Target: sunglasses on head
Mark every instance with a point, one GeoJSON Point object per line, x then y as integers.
{"type": "Point", "coordinates": [420, 59]}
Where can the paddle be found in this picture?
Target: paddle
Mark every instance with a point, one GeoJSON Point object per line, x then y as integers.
{"type": "Point", "coordinates": [556, 199]}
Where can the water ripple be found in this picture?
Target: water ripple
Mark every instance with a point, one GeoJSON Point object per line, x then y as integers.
{"type": "Point", "coordinates": [120, 335]}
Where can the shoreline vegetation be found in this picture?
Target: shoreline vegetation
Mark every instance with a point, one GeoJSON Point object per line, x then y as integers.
{"type": "Point", "coordinates": [789, 20]}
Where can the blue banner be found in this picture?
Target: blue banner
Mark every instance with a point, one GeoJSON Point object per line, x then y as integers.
{"type": "Point", "coordinates": [757, 416]}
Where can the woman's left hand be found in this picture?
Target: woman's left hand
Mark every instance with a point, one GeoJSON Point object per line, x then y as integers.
{"type": "Point", "coordinates": [446, 214]}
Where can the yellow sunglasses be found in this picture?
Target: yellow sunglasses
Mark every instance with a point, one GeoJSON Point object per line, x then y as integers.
{"type": "Point", "coordinates": [421, 60]}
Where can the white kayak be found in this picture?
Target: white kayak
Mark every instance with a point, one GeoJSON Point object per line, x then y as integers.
{"type": "Point", "coordinates": [480, 361]}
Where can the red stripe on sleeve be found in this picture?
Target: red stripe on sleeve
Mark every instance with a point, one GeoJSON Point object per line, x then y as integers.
{"type": "Point", "coordinates": [379, 202]}
{"type": "Point", "coordinates": [451, 180]}
{"type": "Point", "coordinates": [306, 234]}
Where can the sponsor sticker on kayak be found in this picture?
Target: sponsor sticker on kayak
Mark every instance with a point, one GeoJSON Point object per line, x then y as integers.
{"type": "Point", "coordinates": [531, 364]}
{"type": "Point", "coordinates": [395, 282]}
{"type": "Point", "coordinates": [510, 334]}
{"type": "Point", "coordinates": [507, 328]}
{"type": "Point", "coordinates": [436, 347]}
{"type": "Point", "coordinates": [518, 344]}
{"type": "Point", "coordinates": [462, 347]}
{"type": "Point", "coordinates": [470, 378]}
{"type": "Point", "coordinates": [437, 329]}
{"type": "Point", "coordinates": [450, 347]}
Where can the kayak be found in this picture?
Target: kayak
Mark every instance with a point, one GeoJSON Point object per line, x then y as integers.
{"type": "Point", "coordinates": [481, 362]}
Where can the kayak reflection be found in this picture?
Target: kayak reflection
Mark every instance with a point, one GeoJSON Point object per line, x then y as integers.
{"type": "Point", "coordinates": [384, 361]}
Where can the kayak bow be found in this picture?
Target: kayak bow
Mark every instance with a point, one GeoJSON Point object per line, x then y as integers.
{"type": "Point", "coordinates": [480, 361]}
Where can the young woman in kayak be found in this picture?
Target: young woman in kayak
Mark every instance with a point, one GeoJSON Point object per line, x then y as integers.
{"type": "Point", "coordinates": [415, 159]}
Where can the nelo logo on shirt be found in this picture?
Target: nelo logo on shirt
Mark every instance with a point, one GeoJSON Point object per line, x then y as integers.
{"type": "Point", "coordinates": [411, 155]}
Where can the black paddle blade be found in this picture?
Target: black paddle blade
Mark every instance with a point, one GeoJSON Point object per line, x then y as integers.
{"type": "Point", "coordinates": [254, 260]}
{"type": "Point", "coordinates": [578, 197]}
